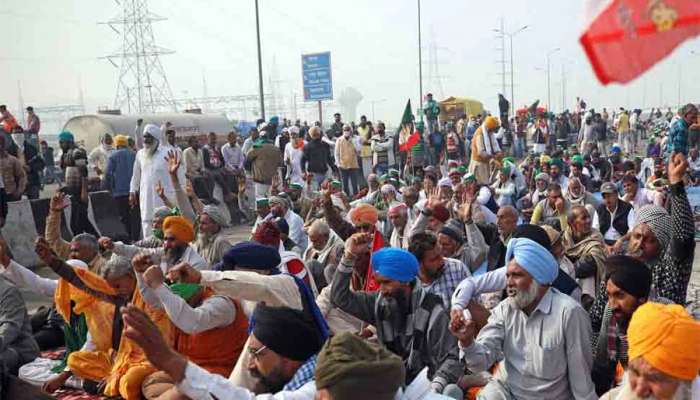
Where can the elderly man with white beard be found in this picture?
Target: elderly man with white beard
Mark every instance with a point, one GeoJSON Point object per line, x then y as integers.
{"type": "Point", "coordinates": [546, 351]}
{"type": "Point", "coordinates": [150, 169]}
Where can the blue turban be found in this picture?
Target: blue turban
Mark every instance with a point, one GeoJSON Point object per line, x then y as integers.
{"type": "Point", "coordinates": [395, 264]}
{"type": "Point", "coordinates": [65, 136]}
{"type": "Point", "coordinates": [534, 258]}
{"type": "Point", "coordinates": [250, 255]}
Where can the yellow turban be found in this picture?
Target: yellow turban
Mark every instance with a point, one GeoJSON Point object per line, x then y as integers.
{"type": "Point", "coordinates": [491, 123]}
{"type": "Point", "coordinates": [667, 337]}
{"type": "Point", "coordinates": [544, 159]}
{"type": "Point", "coordinates": [121, 141]}
{"type": "Point", "coordinates": [364, 214]}
{"type": "Point", "coordinates": [180, 227]}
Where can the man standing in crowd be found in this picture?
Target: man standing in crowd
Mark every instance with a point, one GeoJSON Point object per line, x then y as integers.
{"type": "Point", "coordinates": [317, 158]}
{"type": "Point", "coordinates": [383, 148]}
{"type": "Point", "coordinates": [215, 167]}
{"type": "Point", "coordinates": [484, 148]}
{"type": "Point", "coordinates": [99, 155]}
{"type": "Point", "coordinates": [33, 123]}
{"type": "Point", "coordinates": [118, 173]}
{"type": "Point", "coordinates": [678, 134]}
{"type": "Point", "coordinates": [337, 127]}
{"type": "Point", "coordinates": [14, 176]}
{"type": "Point", "coordinates": [264, 159]}
{"type": "Point", "coordinates": [346, 156]}
{"type": "Point", "coordinates": [150, 169]}
{"type": "Point", "coordinates": [50, 164]}
{"type": "Point", "coordinates": [7, 121]}
{"type": "Point", "coordinates": [431, 110]}
{"type": "Point", "coordinates": [33, 165]}
{"type": "Point", "coordinates": [364, 131]}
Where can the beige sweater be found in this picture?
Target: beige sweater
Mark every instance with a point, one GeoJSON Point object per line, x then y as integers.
{"type": "Point", "coordinates": [345, 153]}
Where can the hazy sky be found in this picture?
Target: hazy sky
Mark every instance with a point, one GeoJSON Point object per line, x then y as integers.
{"type": "Point", "coordinates": [52, 46]}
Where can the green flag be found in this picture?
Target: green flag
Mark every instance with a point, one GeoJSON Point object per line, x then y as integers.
{"type": "Point", "coordinates": [407, 116]}
{"type": "Point", "coordinates": [408, 137]}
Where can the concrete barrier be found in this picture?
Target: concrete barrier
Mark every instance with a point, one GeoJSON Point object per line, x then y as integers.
{"type": "Point", "coordinates": [104, 216]}
{"type": "Point", "coordinates": [20, 233]}
{"type": "Point", "coordinates": [40, 210]}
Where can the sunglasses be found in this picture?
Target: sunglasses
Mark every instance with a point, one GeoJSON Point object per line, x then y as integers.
{"type": "Point", "coordinates": [255, 353]}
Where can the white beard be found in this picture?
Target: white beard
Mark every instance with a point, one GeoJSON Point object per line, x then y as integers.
{"type": "Point", "coordinates": [150, 149]}
{"type": "Point", "coordinates": [523, 298]}
{"type": "Point", "coordinates": [683, 392]}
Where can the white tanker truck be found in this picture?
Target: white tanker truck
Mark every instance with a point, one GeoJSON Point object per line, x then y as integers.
{"type": "Point", "coordinates": [87, 129]}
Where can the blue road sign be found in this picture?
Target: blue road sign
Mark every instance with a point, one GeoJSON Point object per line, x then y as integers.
{"type": "Point", "coordinates": [316, 75]}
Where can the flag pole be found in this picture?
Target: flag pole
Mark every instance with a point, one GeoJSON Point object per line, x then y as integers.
{"type": "Point", "coordinates": [420, 67]}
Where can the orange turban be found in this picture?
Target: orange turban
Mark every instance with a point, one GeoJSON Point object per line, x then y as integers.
{"type": "Point", "coordinates": [121, 141]}
{"type": "Point", "coordinates": [491, 123]}
{"type": "Point", "coordinates": [667, 337]}
{"type": "Point", "coordinates": [364, 214]}
{"type": "Point", "coordinates": [180, 227]}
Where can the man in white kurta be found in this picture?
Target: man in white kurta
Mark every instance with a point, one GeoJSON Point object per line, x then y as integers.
{"type": "Point", "coordinates": [151, 168]}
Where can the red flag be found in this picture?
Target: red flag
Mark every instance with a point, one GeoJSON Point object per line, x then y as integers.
{"type": "Point", "coordinates": [629, 36]}
{"type": "Point", "coordinates": [371, 285]}
{"type": "Point", "coordinates": [410, 142]}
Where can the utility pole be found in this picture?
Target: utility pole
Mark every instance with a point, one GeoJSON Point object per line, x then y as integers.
{"type": "Point", "coordinates": [503, 56]}
{"type": "Point", "coordinates": [512, 85]}
{"type": "Point", "coordinates": [420, 69]}
{"type": "Point", "coordinates": [260, 71]}
{"type": "Point", "coordinates": [549, 92]}
{"type": "Point", "coordinates": [563, 87]}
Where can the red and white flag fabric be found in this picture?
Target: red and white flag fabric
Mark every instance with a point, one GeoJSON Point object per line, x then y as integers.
{"type": "Point", "coordinates": [371, 284]}
{"type": "Point", "coordinates": [624, 38]}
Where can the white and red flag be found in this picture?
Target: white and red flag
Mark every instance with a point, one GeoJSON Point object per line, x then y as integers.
{"type": "Point", "coordinates": [624, 38]}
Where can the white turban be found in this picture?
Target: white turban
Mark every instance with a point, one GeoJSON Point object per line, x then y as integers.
{"type": "Point", "coordinates": [152, 130]}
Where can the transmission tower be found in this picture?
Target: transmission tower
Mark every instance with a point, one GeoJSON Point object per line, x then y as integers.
{"type": "Point", "coordinates": [142, 82]}
{"type": "Point", "coordinates": [435, 79]}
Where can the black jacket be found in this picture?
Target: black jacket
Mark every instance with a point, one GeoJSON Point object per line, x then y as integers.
{"type": "Point", "coordinates": [601, 130]}
{"type": "Point", "coordinates": [317, 157]}
{"type": "Point", "coordinates": [35, 164]}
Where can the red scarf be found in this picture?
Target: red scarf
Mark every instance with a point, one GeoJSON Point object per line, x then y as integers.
{"type": "Point", "coordinates": [371, 284]}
